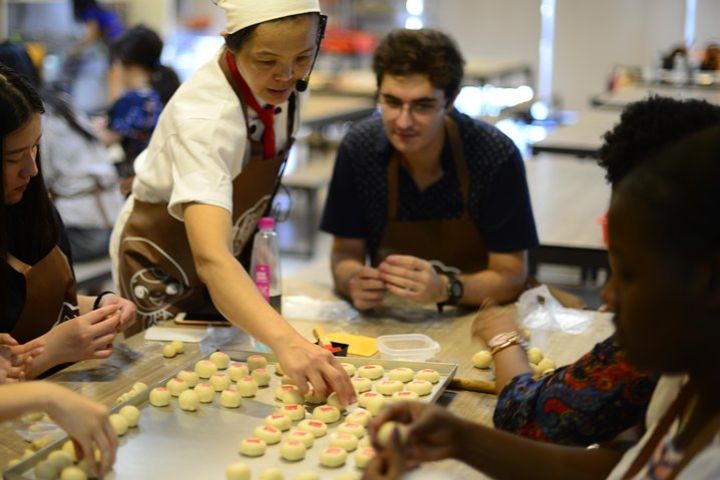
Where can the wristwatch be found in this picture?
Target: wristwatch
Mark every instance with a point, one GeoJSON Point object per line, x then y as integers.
{"type": "Point", "coordinates": [455, 290]}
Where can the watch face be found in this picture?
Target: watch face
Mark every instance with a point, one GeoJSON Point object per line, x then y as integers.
{"type": "Point", "coordinates": [455, 288]}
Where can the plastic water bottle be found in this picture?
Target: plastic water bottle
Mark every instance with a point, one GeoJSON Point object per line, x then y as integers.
{"type": "Point", "coordinates": [265, 263]}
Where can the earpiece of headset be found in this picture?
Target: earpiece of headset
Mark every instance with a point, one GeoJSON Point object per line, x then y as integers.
{"type": "Point", "coordinates": [302, 84]}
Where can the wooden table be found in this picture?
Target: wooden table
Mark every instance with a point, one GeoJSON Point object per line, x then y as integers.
{"type": "Point", "coordinates": [619, 99]}
{"type": "Point", "coordinates": [568, 197]}
{"type": "Point", "coordinates": [582, 138]}
{"type": "Point", "coordinates": [106, 380]}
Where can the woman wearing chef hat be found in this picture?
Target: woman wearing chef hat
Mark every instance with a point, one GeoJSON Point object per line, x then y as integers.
{"type": "Point", "coordinates": [209, 174]}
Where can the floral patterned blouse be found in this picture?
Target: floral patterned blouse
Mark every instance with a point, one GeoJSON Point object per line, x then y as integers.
{"type": "Point", "coordinates": [586, 402]}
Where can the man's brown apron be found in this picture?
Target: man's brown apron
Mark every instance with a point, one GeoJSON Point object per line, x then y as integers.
{"type": "Point", "coordinates": [455, 242]}
{"type": "Point", "coordinates": [156, 268]}
{"type": "Point", "coordinates": [50, 295]}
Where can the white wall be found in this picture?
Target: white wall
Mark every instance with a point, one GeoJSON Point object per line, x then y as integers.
{"type": "Point", "coordinates": [590, 36]}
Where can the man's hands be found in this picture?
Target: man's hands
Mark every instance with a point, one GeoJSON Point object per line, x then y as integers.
{"type": "Point", "coordinates": [413, 278]}
{"type": "Point", "coordinates": [367, 290]}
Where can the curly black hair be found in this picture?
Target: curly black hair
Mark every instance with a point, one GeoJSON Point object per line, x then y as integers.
{"type": "Point", "coordinates": [426, 52]}
{"type": "Point", "coordinates": [648, 125]}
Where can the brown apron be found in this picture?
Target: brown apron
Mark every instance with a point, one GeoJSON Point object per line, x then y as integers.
{"type": "Point", "coordinates": [156, 268]}
{"type": "Point", "coordinates": [455, 242]}
{"type": "Point", "coordinates": [50, 295]}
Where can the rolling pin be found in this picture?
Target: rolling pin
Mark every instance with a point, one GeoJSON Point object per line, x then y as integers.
{"type": "Point", "coordinates": [472, 385]}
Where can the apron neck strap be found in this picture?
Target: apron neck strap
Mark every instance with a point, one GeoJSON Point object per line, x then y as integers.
{"type": "Point", "coordinates": [453, 136]}
{"type": "Point", "coordinates": [698, 443]}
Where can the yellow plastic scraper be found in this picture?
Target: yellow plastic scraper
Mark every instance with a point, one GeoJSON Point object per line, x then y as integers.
{"type": "Point", "coordinates": [358, 344]}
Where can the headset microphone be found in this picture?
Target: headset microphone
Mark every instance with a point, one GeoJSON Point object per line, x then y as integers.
{"type": "Point", "coordinates": [302, 84]}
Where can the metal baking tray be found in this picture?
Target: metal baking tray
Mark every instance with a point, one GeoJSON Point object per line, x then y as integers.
{"type": "Point", "coordinates": [172, 443]}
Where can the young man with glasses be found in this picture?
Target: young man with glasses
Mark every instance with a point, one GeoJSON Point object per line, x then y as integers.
{"type": "Point", "coordinates": [437, 201]}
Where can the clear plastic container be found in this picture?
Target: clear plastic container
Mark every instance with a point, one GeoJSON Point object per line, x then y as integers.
{"type": "Point", "coordinates": [414, 347]}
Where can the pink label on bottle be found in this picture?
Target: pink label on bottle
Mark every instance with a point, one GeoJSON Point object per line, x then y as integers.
{"type": "Point", "coordinates": [261, 276]}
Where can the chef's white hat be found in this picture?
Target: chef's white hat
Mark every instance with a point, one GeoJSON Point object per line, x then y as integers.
{"type": "Point", "coordinates": [243, 13]}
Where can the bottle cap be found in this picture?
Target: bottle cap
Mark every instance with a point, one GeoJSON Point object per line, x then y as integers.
{"type": "Point", "coordinates": [266, 223]}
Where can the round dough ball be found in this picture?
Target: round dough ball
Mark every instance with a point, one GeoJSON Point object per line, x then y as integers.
{"type": "Point", "coordinates": [482, 359]}
{"type": "Point", "coordinates": [220, 359]}
{"type": "Point", "coordinates": [421, 387]}
{"type": "Point", "coordinates": [119, 424]}
{"type": "Point", "coordinates": [534, 355]}
{"type": "Point", "coordinates": [41, 442]}
{"type": "Point", "coordinates": [364, 397]}
{"type": "Point", "coordinates": [123, 398]}
{"type": "Point", "coordinates": [333, 457]}
{"type": "Point", "coordinates": [360, 416]}
{"type": "Point", "coordinates": [73, 473]}
{"type": "Point", "coordinates": [253, 447]}
{"type": "Point", "coordinates": [316, 427]}
{"type": "Point", "coordinates": [334, 401]}
{"type": "Point", "coordinates": [405, 395]}
{"type": "Point", "coordinates": [220, 381]}
{"type": "Point", "coordinates": [279, 391]}
{"type": "Point", "coordinates": [247, 386]}
{"type": "Point", "coordinates": [256, 361]}
{"type": "Point", "coordinates": [131, 414]}
{"type": "Point", "coordinates": [189, 400]}
{"type": "Point", "coordinates": [230, 398]}
{"type": "Point", "coordinates": [386, 431]}
{"type": "Point", "coordinates": [302, 435]}
{"type": "Point", "coordinates": [60, 459]}
{"type": "Point", "coordinates": [271, 474]}
{"type": "Point", "coordinates": [139, 387]}
{"type": "Point", "coordinates": [349, 368]}
{"type": "Point", "coordinates": [176, 386]}
{"type": "Point", "coordinates": [388, 387]}
{"type": "Point", "coordinates": [365, 442]}
{"type": "Point", "coordinates": [291, 396]}
{"type": "Point", "coordinates": [190, 377]}
{"type": "Point", "coordinates": [205, 392]}
{"type": "Point", "coordinates": [205, 368]}
{"type": "Point", "coordinates": [307, 475]}
{"type": "Point", "coordinates": [326, 413]}
{"type": "Point", "coordinates": [69, 448]}
{"type": "Point", "coordinates": [361, 384]}
{"type": "Point", "coordinates": [169, 351]}
{"type": "Point", "coordinates": [238, 471]}
{"type": "Point", "coordinates": [352, 428]}
{"type": "Point", "coordinates": [45, 469]}
{"type": "Point", "coordinates": [178, 345]}
{"type": "Point", "coordinates": [268, 434]}
{"type": "Point", "coordinates": [428, 374]}
{"type": "Point", "coordinates": [279, 420]}
{"type": "Point", "coordinates": [293, 410]}
{"type": "Point", "coordinates": [292, 450]}
{"type": "Point", "coordinates": [402, 374]}
{"type": "Point", "coordinates": [279, 370]}
{"type": "Point", "coordinates": [363, 456]}
{"type": "Point", "coordinates": [374, 404]}
{"type": "Point", "coordinates": [314, 398]}
{"type": "Point", "coordinates": [261, 377]}
{"type": "Point", "coordinates": [373, 372]}
{"type": "Point", "coordinates": [238, 371]}
{"type": "Point", "coordinates": [346, 441]}
{"type": "Point", "coordinates": [545, 365]}
{"type": "Point", "coordinates": [287, 380]}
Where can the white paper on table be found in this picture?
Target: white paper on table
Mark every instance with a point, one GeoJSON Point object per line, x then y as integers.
{"type": "Point", "coordinates": [304, 307]}
{"type": "Point", "coordinates": [190, 335]}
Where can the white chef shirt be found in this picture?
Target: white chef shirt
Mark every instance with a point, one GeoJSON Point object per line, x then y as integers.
{"type": "Point", "coordinates": [200, 143]}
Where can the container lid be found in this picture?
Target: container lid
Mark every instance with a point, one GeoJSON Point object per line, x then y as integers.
{"type": "Point", "coordinates": [266, 223]}
{"type": "Point", "coordinates": [408, 345]}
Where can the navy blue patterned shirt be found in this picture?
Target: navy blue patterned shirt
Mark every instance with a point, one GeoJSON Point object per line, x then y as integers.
{"type": "Point", "coordinates": [356, 205]}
